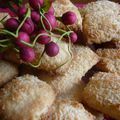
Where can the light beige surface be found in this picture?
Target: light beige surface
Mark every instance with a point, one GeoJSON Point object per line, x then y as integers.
{"type": "Point", "coordinates": [110, 60]}
{"type": "Point", "coordinates": [25, 98]}
{"type": "Point", "coordinates": [69, 85]}
{"type": "Point", "coordinates": [109, 65]}
{"type": "Point", "coordinates": [88, 1]}
{"type": "Point", "coordinates": [101, 22]}
{"type": "Point", "coordinates": [7, 72]}
{"type": "Point", "coordinates": [109, 53]}
{"type": "Point", "coordinates": [105, 75]}
{"type": "Point", "coordinates": [62, 6]}
{"type": "Point", "coordinates": [103, 94]}
{"type": "Point", "coordinates": [68, 110]}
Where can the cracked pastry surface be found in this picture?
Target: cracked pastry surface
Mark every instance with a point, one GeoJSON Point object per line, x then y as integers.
{"type": "Point", "coordinates": [68, 110]}
{"type": "Point", "coordinates": [103, 94]}
{"type": "Point", "coordinates": [7, 72]}
{"type": "Point", "coordinates": [25, 98]}
{"type": "Point", "coordinates": [101, 21]}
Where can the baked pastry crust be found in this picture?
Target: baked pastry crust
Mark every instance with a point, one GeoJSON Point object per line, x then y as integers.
{"type": "Point", "coordinates": [101, 22]}
{"type": "Point", "coordinates": [7, 72]}
{"type": "Point", "coordinates": [110, 60]}
{"type": "Point", "coordinates": [67, 110]}
{"type": "Point", "coordinates": [109, 65]}
{"type": "Point", "coordinates": [25, 98]}
{"type": "Point", "coordinates": [103, 94]}
{"type": "Point", "coordinates": [109, 53]}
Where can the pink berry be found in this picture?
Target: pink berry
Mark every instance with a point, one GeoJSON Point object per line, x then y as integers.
{"type": "Point", "coordinates": [69, 18]}
{"type": "Point", "coordinates": [35, 4]}
{"type": "Point", "coordinates": [52, 20]}
{"type": "Point", "coordinates": [35, 16]}
{"type": "Point", "coordinates": [27, 54]}
{"type": "Point", "coordinates": [73, 37]}
{"type": "Point", "coordinates": [28, 26]}
{"type": "Point", "coordinates": [51, 49]}
{"type": "Point", "coordinates": [44, 39]}
{"type": "Point", "coordinates": [22, 11]}
{"type": "Point", "coordinates": [12, 24]}
{"type": "Point", "coordinates": [51, 10]}
{"type": "Point", "coordinates": [22, 37]}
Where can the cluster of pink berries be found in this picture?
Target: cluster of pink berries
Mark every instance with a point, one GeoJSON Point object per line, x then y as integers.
{"type": "Point", "coordinates": [36, 25]}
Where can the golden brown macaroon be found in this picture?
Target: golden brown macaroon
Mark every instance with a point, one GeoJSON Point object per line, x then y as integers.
{"type": "Point", "coordinates": [63, 6]}
{"type": "Point", "coordinates": [25, 98]}
{"type": "Point", "coordinates": [105, 75]}
{"type": "Point", "coordinates": [109, 53]}
{"type": "Point", "coordinates": [7, 72]}
{"type": "Point", "coordinates": [103, 94]}
{"type": "Point", "coordinates": [69, 84]}
{"type": "Point", "coordinates": [110, 60]}
{"type": "Point", "coordinates": [67, 110]}
{"type": "Point", "coordinates": [101, 22]}
{"type": "Point", "coordinates": [109, 65]}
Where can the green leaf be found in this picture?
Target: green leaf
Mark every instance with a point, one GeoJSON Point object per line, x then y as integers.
{"type": "Point", "coordinates": [47, 5]}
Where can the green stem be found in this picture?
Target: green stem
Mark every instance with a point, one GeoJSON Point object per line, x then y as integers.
{"type": "Point", "coordinates": [43, 23]}
{"type": "Point", "coordinates": [16, 50]}
{"type": "Point", "coordinates": [4, 46]}
{"type": "Point", "coordinates": [4, 40]}
{"type": "Point", "coordinates": [69, 48]}
{"type": "Point", "coordinates": [9, 33]}
{"type": "Point", "coordinates": [35, 40]}
{"type": "Point", "coordinates": [64, 34]}
{"type": "Point", "coordinates": [2, 20]}
{"type": "Point", "coordinates": [61, 30]}
{"type": "Point", "coordinates": [39, 62]}
{"type": "Point", "coordinates": [26, 16]}
{"type": "Point", "coordinates": [70, 52]}
{"type": "Point", "coordinates": [68, 28]}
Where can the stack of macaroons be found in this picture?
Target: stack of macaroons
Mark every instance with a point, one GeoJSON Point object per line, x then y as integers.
{"type": "Point", "coordinates": [72, 81]}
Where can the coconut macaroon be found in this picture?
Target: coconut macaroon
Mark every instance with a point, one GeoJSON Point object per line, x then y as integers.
{"type": "Point", "coordinates": [52, 63]}
{"type": "Point", "coordinates": [102, 93]}
{"type": "Point", "coordinates": [101, 21]}
{"type": "Point", "coordinates": [63, 6]}
{"type": "Point", "coordinates": [110, 60]}
{"type": "Point", "coordinates": [7, 72]}
{"type": "Point", "coordinates": [69, 84]}
{"type": "Point", "coordinates": [67, 110]}
{"type": "Point", "coordinates": [109, 53]}
{"type": "Point", "coordinates": [25, 98]}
